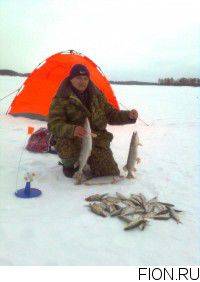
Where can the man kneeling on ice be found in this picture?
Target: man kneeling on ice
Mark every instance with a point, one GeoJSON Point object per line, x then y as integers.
{"type": "Point", "coordinates": [78, 98]}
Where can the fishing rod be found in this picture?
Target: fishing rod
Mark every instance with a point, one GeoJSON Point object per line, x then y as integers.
{"type": "Point", "coordinates": [138, 117]}
{"type": "Point", "coordinates": [30, 130]}
{"type": "Point", "coordinates": [9, 94]}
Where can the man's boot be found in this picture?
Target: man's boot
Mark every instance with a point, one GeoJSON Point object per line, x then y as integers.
{"type": "Point", "coordinates": [69, 170]}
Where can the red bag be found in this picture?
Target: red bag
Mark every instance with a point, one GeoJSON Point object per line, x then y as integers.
{"type": "Point", "coordinates": [40, 141]}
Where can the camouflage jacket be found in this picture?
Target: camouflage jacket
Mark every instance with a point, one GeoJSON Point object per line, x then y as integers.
{"type": "Point", "coordinates": [67, 111]}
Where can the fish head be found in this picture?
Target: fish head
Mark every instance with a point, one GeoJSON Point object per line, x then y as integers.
{"type": "Point", "coordinates": [135, 139]}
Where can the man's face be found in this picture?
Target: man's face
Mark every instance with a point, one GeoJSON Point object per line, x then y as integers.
{"type": "Point", "coordinates": [80, 82]}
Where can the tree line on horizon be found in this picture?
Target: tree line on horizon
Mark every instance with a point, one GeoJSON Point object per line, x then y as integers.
{"type": "Point", "coordinates": [161, 81]}
{"type": "Point", "coordinates": [183, 81]}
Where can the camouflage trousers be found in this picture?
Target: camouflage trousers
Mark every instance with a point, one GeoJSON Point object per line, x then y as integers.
{"type": "Point", "coordinates": [101, 162]}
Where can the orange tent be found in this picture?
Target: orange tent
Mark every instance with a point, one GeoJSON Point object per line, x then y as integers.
{"type": "Point", "coordinates": [34, 97]}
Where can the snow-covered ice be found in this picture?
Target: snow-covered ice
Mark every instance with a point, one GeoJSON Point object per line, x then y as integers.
{"type": "Point", "coordinates": [58, 229]}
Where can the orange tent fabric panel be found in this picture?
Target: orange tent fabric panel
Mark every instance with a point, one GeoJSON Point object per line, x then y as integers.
{"type": "Point", "coordinates": [35, 97]}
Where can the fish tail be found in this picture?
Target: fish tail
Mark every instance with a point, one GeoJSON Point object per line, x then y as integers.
{"type": "Point", "coordinates": [138, 160]}
{"type": "Point", "coordinates": [78, 177]}
{"type": "Point", "coordinates": [130, 175]}
{"type": "Point", "coordinates": [125, 168]}
{"type": "Point", "coordinates": [76, 164]}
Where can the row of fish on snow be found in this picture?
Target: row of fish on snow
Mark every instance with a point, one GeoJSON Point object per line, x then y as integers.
{"type": "Point", "coordinates": [135, 210]}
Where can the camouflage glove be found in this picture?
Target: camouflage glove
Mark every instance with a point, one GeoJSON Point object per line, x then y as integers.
{"type": "Point", "coordinates": [133, 114]}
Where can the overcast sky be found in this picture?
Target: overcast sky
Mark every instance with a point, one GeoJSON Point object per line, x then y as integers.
{"type": "Point", "coordinates": [138, 40]}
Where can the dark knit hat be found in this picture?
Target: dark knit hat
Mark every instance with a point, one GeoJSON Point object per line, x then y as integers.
{"type": "Point", "coordinates": [78, 69]}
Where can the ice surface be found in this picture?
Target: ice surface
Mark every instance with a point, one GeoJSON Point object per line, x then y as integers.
{"type": "Point", "coordinates": [58, 229]}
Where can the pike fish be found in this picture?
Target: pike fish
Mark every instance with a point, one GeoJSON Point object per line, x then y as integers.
{"type": "Point", "coordinates": [98, 209]}
{"type": "Point", "coordinates": [95, 197]}
{"type": "Point", "coordinates": [110, 180]}
{"type": "Point", "coordinates": [124, 218]}
{"type": "Point", "coordinates": [166, 204]}
{"type": "Point", "coordinates": [140, 201]}
{"type": "Point", "coordinates": [112, 199]}
{"type": "Point", "coordinates": [116, 212]}
{"type": "Point", "coordinates": [162, 216]}
{"type": "Point", "coordinates": [109, 206]}
{"type": "Point", "coordinates": [143, 225]}
{"type": "Point", "coordinates": [174, 215]}
{"type": "Point", "coordinates": [132, 210]}
{"type": "Point", "coordinates": [121, 197]}
{"type": "Point", "coordinates": [135, 223]}
{"type": "Point", "coordinates": [132, 155]}
{"type": "Point", "coordinates": [86, 149]}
